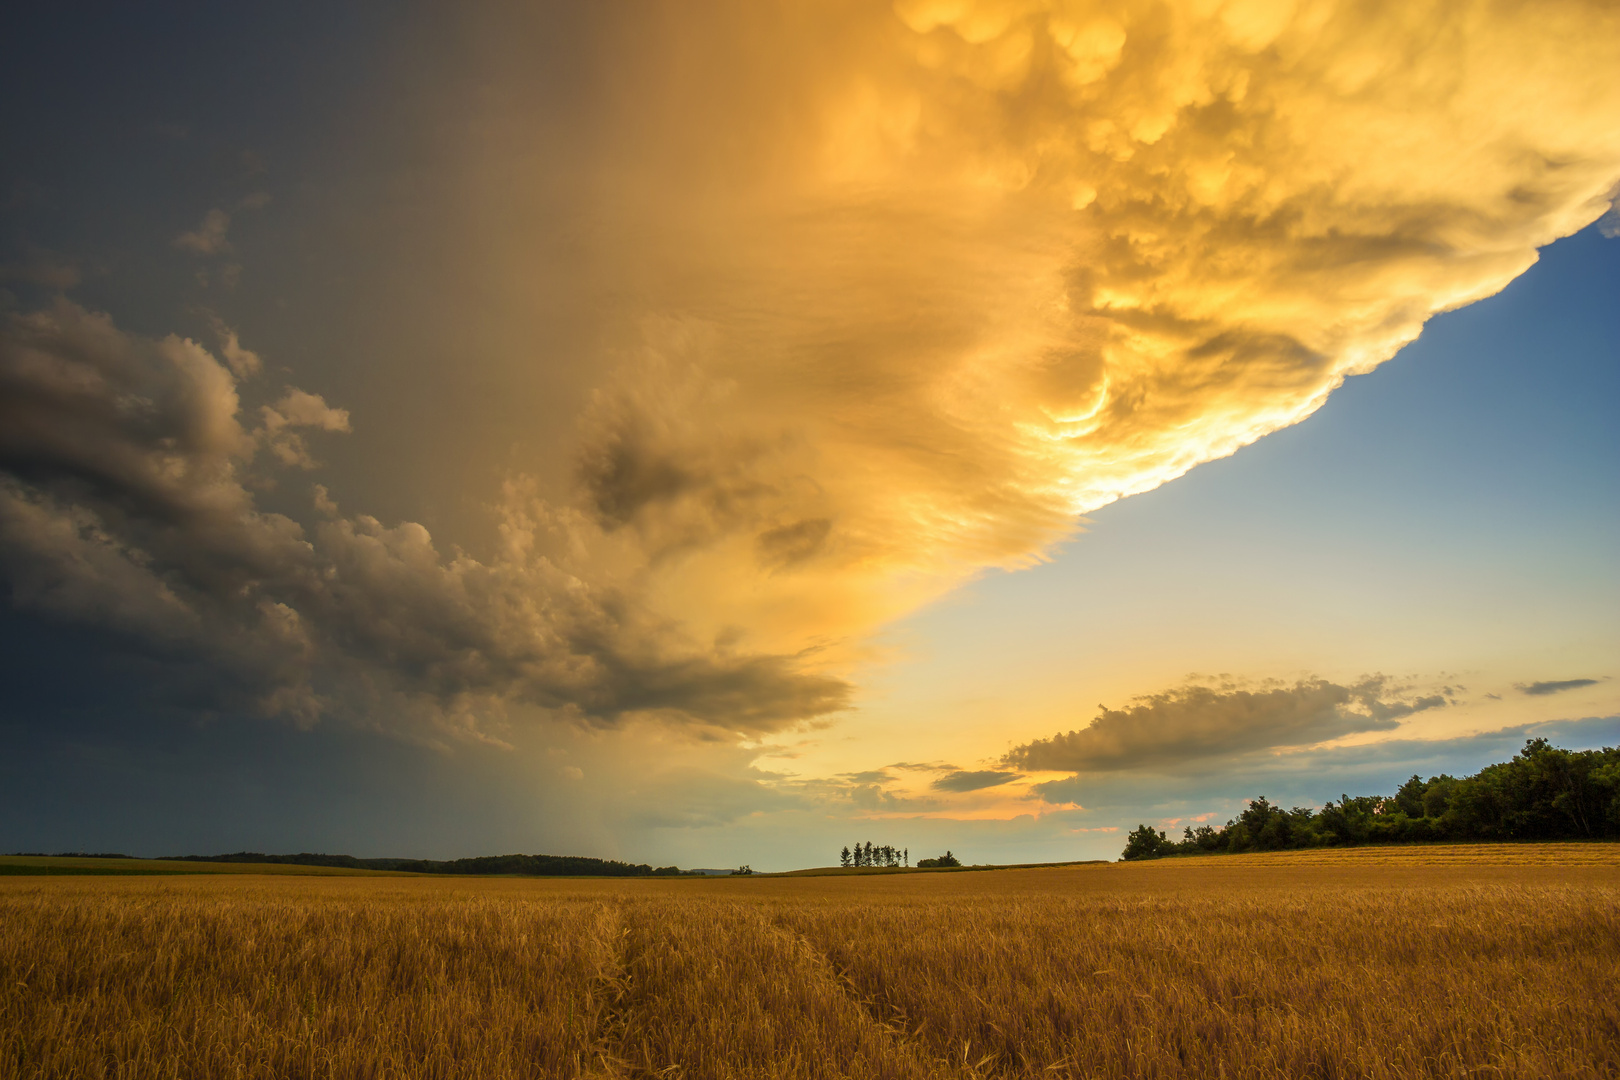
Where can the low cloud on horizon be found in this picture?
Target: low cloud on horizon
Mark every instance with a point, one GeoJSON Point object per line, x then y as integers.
{"type": "Point", "coordinates": [959, 780]}
{"type": "Point", "coordinates": [1195, 722]}
{"type": "Point", "coordinates": [1542, 689]}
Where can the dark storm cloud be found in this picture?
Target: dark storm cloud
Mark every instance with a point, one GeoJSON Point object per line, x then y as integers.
{"type": "Point", "coordinates": [125, 504]}
{"type": "Point", "coordinates": [1541, 689]}
{"type": "Point", "coordinates": [1195, 722]}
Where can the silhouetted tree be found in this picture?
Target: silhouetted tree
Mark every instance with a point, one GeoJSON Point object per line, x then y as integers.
{"type": "Point", "coordinates": [1145, 842]}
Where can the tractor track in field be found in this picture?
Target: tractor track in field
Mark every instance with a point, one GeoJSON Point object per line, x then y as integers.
{"type": "Point", "coordinates": [609, 997]}
{"type": "Point", "coordinates": [884, 1016]}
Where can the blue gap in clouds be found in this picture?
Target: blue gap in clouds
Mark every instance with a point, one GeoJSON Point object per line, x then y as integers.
{"type": "Point", "coordinates": [1501, 417]}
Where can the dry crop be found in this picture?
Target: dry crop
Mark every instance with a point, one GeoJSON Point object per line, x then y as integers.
{"type": "Point", "coordinates": [1242, 967]}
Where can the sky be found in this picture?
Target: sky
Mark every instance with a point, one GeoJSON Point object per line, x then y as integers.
{"type": "Point", "coordinates": [718, 435]}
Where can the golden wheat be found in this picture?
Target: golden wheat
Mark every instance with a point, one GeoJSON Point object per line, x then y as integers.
{"type": "Point", "coordinates": [1242, 967]}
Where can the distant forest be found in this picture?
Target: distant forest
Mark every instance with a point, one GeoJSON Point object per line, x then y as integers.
{"type": "Point", "coordinates": [1544, 793]}
{"type": "Point", "coordinates": [534, 865]}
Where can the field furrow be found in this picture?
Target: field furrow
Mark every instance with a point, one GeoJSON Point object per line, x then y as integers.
{"type": "Point", "coordinates": [717, 991]}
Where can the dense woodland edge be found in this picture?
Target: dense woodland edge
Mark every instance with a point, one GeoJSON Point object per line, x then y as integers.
{"type": "Point", "coordinates": [1544, 793]}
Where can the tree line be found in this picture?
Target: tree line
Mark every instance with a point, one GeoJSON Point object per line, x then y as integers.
{"type": "Point", "coordinates": [1543, 793]}
{"type": "Point", "coordinates": [534, 865]}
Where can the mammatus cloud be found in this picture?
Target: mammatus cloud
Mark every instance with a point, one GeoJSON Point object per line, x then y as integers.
{"type": "Point", "coordinates": [124, 465]}
{"type": "Point", "coordinates": [1193, 722]}
{"type": "Point", "coordinates": [1541, 689]}
{"type": "Point", "coordinates": [940, 278]}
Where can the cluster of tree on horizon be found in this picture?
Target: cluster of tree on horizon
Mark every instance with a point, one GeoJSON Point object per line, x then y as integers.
{"type": "Point", "coordinates": [878, 855]}
{"type": "Point", "coordinates": [870, 854]}
{"type": "Point", "coordinates": [1543, 793]}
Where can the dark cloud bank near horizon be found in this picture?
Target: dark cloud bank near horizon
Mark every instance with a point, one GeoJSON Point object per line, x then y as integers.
{"type": "Point", "coordinates": [127, 475]}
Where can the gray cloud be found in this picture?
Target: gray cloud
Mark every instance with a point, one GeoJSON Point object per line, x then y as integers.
{"type": "Point", "coordinates": [242, 362]}
{"type": "Point", "coordinates": [125, 504]}
{"type": "Point", "coordinates": [1195, 722]}
{"type": "Point", "coordinates": [1541, 689]}
{"type": "Point", "coordinates": [867, 776]}
{"type": "Point", "coordinates": [864, 792]}
{"type": "Point", "coordinates": [208, 238]}
{"type": "Point", "coordinates": [976, 780]}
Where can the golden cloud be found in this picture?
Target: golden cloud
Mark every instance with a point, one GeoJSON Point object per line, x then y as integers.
{"type": "Point", "coordinates": [892, 295]}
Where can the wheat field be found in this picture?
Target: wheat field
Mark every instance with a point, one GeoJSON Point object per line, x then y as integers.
{"type": "Point", "coordinates": [1253, 966]}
